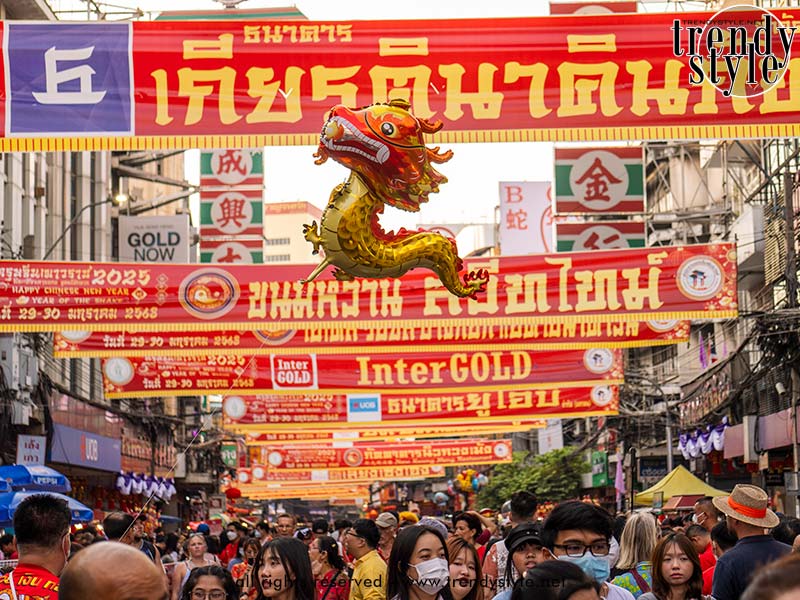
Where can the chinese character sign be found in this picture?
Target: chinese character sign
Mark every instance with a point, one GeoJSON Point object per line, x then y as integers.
{"type": "Point", "coordinates": [232, 206]}
{"type": "Point", "coordinates": [599, 235]}
{"type": "Point", "coordinates": [599, 181]}
{"type": "Point", "coordinates": [526, 218]}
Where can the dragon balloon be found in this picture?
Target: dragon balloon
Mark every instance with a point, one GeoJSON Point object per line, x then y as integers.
{"type": "Point", "coordinates": [383, 147]}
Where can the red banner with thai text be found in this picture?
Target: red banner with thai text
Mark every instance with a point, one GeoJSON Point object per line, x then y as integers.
{"type": "Point", "coordinates": [303, 434]}
{"type": "Point", "coordinates": [398, 408]}
{"type": "Point", "coordinates": [663, 283]}
{"type": "Point", "coordinates": [440, 453]}
{"type": "Point", "coordinates": [262, 471]}
{"type": "Point", "coordinates": [556, 335]}
{"type": "Point", "coordinates": [254, 83]}
{"type": "Point", "coordinates": [296, 375]}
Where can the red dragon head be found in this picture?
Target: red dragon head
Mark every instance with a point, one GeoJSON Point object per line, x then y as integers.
{"type": "Point", "coordinates": [383, 143]}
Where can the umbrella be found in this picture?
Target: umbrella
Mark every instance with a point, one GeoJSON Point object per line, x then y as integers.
{"type": "Point", "coordinates": [10, 501]}
{"type": "Point", "coordinates": [35, 477]}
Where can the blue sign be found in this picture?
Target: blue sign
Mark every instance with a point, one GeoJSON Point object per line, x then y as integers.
{"type": "Point", "coordinates": [75, 447]}
{"type": "Point", "coordinates": [363, 408]}
{"type": "Point", "coordinates": [73, 78]}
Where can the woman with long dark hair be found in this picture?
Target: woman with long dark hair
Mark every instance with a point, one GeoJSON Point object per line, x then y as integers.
{"type": "Point", "coordinates": [328, 568]}
{"type": "Point", "coordinates": [418, 566]}
{"type": "Point", "coordinates": [283, 571]}
{"type": "Point", "coordinates": [465, 570]}
{"type": "Point", "coordinates": [243, 573]}
{"type": "Point", "coordinates": [211, 582]}
{"type": "Point", "coordinates": [676, 570]}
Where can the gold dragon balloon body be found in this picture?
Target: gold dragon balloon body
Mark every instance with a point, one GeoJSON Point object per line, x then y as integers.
{"type": "Point", "coordinates": [383, 147]}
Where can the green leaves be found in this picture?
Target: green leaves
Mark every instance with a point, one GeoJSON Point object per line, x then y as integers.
{"type": "Point", "coordinates": [554, 476]}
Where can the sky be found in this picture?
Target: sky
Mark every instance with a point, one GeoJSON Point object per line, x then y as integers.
{"type": "Point", "coordinates": [475, 171]}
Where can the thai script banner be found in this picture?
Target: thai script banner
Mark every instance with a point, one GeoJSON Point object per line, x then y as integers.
{"type": "Point", "coordinates": [440, 453]}
{"type": "Point", "coordinates": [664, 283]}
{"type": "Point", "coordinates": [263, 472]}
{"type": "Point", "coordinates": [376, 340]}
{"type": "Point", "coordinates": [295, 375]}
{"type": "Point", "coordinates": [239, 84]}
{"type": "Point", "coordinates": [269, 436]}
{"type": "Point", "coordinates": [334, 496]}
{"type": "Point", "coordinates": [526, 402]}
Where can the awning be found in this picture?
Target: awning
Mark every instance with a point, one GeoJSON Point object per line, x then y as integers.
{"type": "Point", "coordinates": [678, 482]}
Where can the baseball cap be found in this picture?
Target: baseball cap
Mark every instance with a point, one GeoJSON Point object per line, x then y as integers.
{"type": "Point", "coordinates": [522, 534]}
{"type": "Point", "coordinates": [203, 528]}
{"type": "Point", "coordinates": [386, 519]}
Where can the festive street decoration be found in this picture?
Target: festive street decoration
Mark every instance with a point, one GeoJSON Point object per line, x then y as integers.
{"type": "Point", "coordinates": [301, 375]}
{"type": "Point", "coordinates": [229, 83]}
{"type": "Point", "coordinates": [384, 148]}
{"type": "Point", "coordinates": [375, 339]}
{"type": "Point", "coordinates": [703, 440]}
{"type": "Point", "coordinates": [640, 284]}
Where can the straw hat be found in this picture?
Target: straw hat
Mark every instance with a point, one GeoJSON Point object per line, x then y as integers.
{"type": "Point", "coordinates": [748, 503]}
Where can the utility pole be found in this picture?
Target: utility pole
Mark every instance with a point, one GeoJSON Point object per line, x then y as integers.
{"type": "Point", "coordinates": [791, 256]}
{"type": "Point", "coordinates": [791, 302]}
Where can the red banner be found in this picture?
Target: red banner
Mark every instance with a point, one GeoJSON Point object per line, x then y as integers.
{"type": "Point", "coordinates": [683, 282]}
{"type": "Point", "coordinates": [297, 374]}
{"type": "Point", "coordinates": [263, 472]}
{"type": "Point", "coordinates": [556, 335]}
{"type": "Point", "coordinates": [374, 432]}
{"type": "Point", "coordinates": [441, 453]}
{"type": "Point", "coordinates": [249, 83]}
{"type": "Point", "coordinates": [395, 409]}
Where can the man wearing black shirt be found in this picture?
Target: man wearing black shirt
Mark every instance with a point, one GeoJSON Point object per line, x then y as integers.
{"type": "Point", "coordinates": [748, 518]}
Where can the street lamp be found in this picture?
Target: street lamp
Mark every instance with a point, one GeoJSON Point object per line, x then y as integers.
{"type": "Point", "coordinates": [115, 200]}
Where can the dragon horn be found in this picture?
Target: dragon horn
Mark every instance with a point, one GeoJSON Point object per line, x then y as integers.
{"type": "Point", "coordinates": [434, 156]}
{"type": "Point", "coordinates": [430, 127]}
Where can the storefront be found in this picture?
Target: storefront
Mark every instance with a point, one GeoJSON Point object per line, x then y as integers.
{"type": "Point", "coordinates": [84, 444]}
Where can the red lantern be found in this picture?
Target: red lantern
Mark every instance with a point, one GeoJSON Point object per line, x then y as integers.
{"type": "Point", "coordinates": [233, 493]}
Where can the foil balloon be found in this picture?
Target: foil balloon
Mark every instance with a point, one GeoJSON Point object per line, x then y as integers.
{"type": "Point", "coordinates": [389, 164]}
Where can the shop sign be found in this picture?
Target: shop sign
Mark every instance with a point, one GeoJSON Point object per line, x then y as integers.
{"type": "Point", "coordinates": [31, 449]}
{"type": "Point", "coordinates": [599, 468]}
{"type": "Point", "coordinates": [229, 453]}
{"type": "Point", "coordinates": [163, 239]}
{"type": "Point", "coordinates": [75, 447]}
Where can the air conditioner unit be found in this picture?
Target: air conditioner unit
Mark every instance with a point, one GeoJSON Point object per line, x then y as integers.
{"type": "Point", "coordinates": [749, 424]}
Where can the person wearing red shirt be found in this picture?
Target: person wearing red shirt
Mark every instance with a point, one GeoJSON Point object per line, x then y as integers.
{"type": "Point", "coordinates": [235, 534]}
{"type": "Point", "coordinates": [722, 540]}
{"type": "Point", "coordinates": [41, 525]}
{"type": "Point", "coordinates": [701, 540]}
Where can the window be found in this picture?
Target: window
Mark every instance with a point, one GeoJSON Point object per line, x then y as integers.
{"type": "Point", "coordinates": [277, 258]}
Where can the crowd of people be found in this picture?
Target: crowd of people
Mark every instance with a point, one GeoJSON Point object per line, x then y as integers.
{"type": "Point", "coordinates": [731, 548]}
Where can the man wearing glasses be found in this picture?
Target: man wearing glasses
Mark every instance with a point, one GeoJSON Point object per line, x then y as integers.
{"type": "Point", "coordinates": [369, 571]}
{"type": "Point", "coordinates": [580, 533]}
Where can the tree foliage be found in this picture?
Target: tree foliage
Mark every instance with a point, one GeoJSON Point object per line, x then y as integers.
{"type": "Point", "coordinates": [553, 476]}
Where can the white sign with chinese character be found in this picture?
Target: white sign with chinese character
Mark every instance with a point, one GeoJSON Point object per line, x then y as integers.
{"type": "Point", "coordinates": [31, 449]}
{"type": "Point", "coordinates": [526, 218]}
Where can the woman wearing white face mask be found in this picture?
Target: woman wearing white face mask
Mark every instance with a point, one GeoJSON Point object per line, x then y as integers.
{"type": "Point", "coordinates": [418, 566]}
